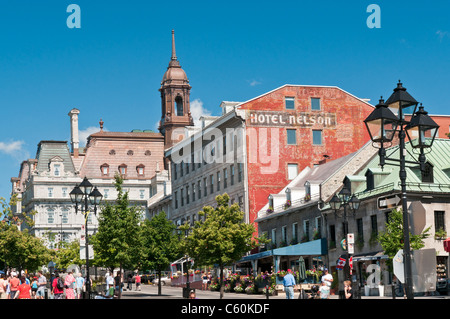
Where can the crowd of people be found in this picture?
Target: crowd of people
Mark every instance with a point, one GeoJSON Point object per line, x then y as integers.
{"type": "Point", "coordinates": [37, 286]}
{"type": "Point", "coordinates": [58, 286]}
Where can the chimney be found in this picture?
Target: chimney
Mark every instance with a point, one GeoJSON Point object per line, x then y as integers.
{"type": "Point", "coordinates": [75, 142]}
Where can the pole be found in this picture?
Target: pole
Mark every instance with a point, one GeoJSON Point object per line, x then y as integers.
{"type": "Point", "coordinates": [88, 281]}
{"type": "Point", "coordinates": [406, 247]}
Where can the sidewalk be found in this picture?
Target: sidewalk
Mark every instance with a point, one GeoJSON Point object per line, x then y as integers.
{"type": "Point", "coordinates": [169, 292]}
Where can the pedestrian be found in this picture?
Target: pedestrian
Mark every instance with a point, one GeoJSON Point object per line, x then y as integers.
{"type": "Point", "coordinates": [58, 287]}
{"type": "Point", "coordinates": [14, 283]}
{"type": "Point", "coordinates": [348, 289]}
{"type": "Point", "coordinates": [3, 286]}
{"type": "Point", "coordinates": [41, 283]}
{"type": "Point", "coordinates": [130, 282]}
{"type": "Point", "coordinates": [118, 283]}
{"type": "Point", "coordinates": [69, 284]}
{"type": "Point", "coordinates": [23, 290]}
{"type": "Point", "coordinates": [327, 278]}
{"type": "Point", "coordinates": [324, 291]}
{"type": "Point", "coordinates": [34, 287]}
{"type": "Point", "coordinates": [192, 295]}
{"type": "Point", "coordinates": [109, 284]}
{"type": "Point", "coordinates": [289, 283]}
{"type": "Point", "coordinates": [80, 285]}
{"type": "Point", "coordinates": [138, 282]}
{"type": "Point", "coordinates": [204, 281]}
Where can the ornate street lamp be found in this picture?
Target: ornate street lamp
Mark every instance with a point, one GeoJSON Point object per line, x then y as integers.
{"type": "Point", "coordinates": [345, 199]}
{"type": "Point", "coordinates": [84, 193]}
{"type": "Point", "coordinates": [382, 124]}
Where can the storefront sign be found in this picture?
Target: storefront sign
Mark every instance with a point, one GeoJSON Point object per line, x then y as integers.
{"type": "Point", "coordinates": [302, 119]}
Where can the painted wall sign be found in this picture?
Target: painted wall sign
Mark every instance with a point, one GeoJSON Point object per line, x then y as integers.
{"type": "Point", "coordinates": [282, 119]}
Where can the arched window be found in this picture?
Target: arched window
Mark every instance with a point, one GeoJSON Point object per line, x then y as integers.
{"type": "Point", "coordinates": [179, 105]}
{"type": "Point", "coordinates": [104, 169]}
{"type": "Point", "coordinates": [123, 169]}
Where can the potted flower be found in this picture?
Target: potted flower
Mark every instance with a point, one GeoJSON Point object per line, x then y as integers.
{"type": "Point", "coordinates": [269, 210]}
{"type": "Point", "coordinates": [238, 288]}
{"type": "Point", "coordinates": [250, 289]}
{"type": "Point", "coordinates": [287, 204]}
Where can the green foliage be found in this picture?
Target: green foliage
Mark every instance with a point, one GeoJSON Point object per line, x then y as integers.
{"type": "Point", "coordinates": [222, 238]}
{"type": "Point", "coordinates": [19, 249]}
{"type": "Point", "coordinates": [392, 239]}
{"type": "Point", "coordinates": [117, 242]}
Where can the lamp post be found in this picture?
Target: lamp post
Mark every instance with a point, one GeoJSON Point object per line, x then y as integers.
{"type": "Point", "coordinates": [80, 194]}
{"type": "Point", "coordinates": [345, 199]}
{"type": "Point", "coordinates": [382, 124]}
{"type": "Point", "coordinates": [188, 286]}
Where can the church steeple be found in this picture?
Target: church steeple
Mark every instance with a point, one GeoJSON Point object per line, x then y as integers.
{"type": "Point", "coordinates": [175, 92]}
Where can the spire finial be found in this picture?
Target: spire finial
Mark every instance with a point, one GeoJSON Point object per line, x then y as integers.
{"type": "Point", "coordinates": [174, 55]}
{"type": "Point", "coordinates": [101, 125]}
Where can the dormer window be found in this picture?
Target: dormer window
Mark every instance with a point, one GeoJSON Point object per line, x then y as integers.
{"type": "Point", "coordinates": [370, 181]}
{"type": "Point", "coordinates": [123, 169]}
{"type": "Point", "coordinates": [57, 169]}
{"type": "Point", "coordinates": [104, 169]}
{"type": "Point", "coordinates": [307, 191]}
{"type": "Point", "coordinates": [140, 169]}
{"type": "Point", "coordinates": [427, 173]}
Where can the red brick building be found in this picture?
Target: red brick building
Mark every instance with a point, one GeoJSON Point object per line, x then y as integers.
{"type": "Point", "coordinates": [295, 126]}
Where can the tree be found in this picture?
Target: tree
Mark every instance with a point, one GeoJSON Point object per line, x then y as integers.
{"type": "Point", "coordinates": [117, 242]}
{"type": "Point", "coordinates": [19, 249]}
{"type": "Point", "coordinates": [161, 245]}
{"type": "Point", "coordinates": [392, 238]}
{"type": "Point", "coordinates": [69, 254]}
{"type": "Point", "coordinates": [222, 238]}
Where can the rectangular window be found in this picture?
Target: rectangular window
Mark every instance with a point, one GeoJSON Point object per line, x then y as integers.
{"type": "Point", "coordinates": [241, 202]}
{"type": "Point", "coordinates": [225, 178]}
{"type": "Point", "coordinates": [439, 220]}
{"type": "Point", "coordinates": [176, 199]}
{"type": "Point", "coordinates": [50, 192]}
{"type": "Point", "coordinates": [205, 186]}
{"type": "Point", "coordinates": [175, 171]}
{"type": "Point", "coordinates": [306, 230]}
{"type": "Point", "coordinates": [274, 237]}
{"type": "Point", "coordinates": [193, 192]}
{"type": "Point", "coordinates": [218, 181]}
{"type": "Point", "coordinates": [374, 224]}
{"type": "Point", "coordinates": [188, 194]}
{"type": "Point", "coordinates": [283, 235]}
{"type": "Point", "coordinates": [64, 192]}
{"type": "Point", "coordinates": [289, 103]}
{"type": "Point", "coordinates": [315, 104]}
{"type": "Point", "coordinates": [65, 216]}
{"type": "Point", "coordinates": [291, 137]}
{"type": "Point", "coordinates": [50, 216]}
{"type": "Point", "coordinates": [57, 169]}
{"type": "Point", "coordinates": [182, 197]}
{"type": "Point", "coordinates": [317, 137]}
{"type": "Point", "coordinates": [359, 230]}
{"type": "Point", "coordinates": [295, 233]}
{"type": "Point", "coordinates": [240, 172]}
{"type": "Point", "coordinates": [332, 236]}
{"type": "Point", "coordinates": [292, 171]}
{"type": "Point", "coordinates": [141, 193]}
{"type": "Point", "coordinates": [199, 189]}
{"type": "Point", "coordinates": [211, 183]}
{"type": "Point", "coordinates": [232, 175]}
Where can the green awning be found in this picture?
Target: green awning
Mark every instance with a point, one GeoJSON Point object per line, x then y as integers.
{"type": "Point", "coordinates": [312, 248]}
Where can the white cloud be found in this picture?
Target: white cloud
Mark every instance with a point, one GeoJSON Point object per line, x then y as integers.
{"type": "Point", "coordinates": [442, 34]}
{"type": "Point", "coordinates": [197, 110]}
{"type": "Point", "coordinates": [15, 149]}
{"type": "Point", "coordinates": [84, 134]}
{"type": "Point", "coordinates": [254, 82]}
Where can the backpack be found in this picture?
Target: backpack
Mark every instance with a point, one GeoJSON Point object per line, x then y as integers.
{"type": "Point", "coordinates": [60, 284]}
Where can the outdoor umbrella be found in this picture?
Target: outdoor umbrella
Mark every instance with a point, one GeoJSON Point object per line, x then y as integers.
{"type": "Point", "coordinates": [301, 275]}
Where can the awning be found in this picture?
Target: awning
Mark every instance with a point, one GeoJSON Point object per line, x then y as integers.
{"type": "Point", "coordinates": [312, 248]}
{"type": "Point", "coordinates": [370, 256]}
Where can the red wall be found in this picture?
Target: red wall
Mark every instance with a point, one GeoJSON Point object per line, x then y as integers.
{"type": "Point", "coordinates": [344, 133]}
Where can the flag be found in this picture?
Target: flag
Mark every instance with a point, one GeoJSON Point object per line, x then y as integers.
{"type": "Point", "coordinates": [340, 263]}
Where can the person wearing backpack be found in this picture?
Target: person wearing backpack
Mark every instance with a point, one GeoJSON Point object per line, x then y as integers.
{"type": "Point", "coordinates": [58, 287]}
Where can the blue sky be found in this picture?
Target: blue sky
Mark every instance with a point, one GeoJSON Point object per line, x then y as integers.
{"type": "Point", "coordinates": [111, 68]}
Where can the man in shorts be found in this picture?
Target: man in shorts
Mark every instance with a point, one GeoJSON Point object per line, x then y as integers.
{"type": "Point", "coordinates": [42, 283]}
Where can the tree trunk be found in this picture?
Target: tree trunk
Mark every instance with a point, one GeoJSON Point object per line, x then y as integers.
{"type": "Point", "coordinates": [120, 282]}
{"type": "Point", "coordinates": [159, 282]}
{"type": "Point", "coordinates": [221, 281]}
